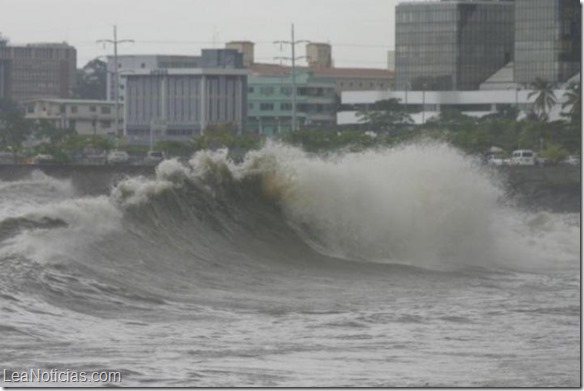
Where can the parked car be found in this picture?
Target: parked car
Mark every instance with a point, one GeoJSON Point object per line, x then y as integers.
{"type": "Point", "coordinates": [154, 157]}
{"type": "Point", "coordinates": [571, 160]}
{"type": "Point", "coordinates": [523, 157]}
{"type": "Point", "coordinates": [495, 160]}
{"type": "Point", "coordinates": [118, 157]}
{"type": "Point", "coordinates": [43, 159]}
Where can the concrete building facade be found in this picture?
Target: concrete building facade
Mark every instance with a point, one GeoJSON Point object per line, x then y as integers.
{"type": "Point", "coordinates": [209, 58]}
{"type": "Point", "coordinates": [452, 45]}
{"type": "Point", "coordinates": [270, 102]}
{"type": "Point", "coordinates": [131, 63]}
{"type": "Point", "coordinates": [175, 104]}
{"type": "Point", "coordinates": [86, 117]}
{"type": "Point", "coordinates": [43, 70]}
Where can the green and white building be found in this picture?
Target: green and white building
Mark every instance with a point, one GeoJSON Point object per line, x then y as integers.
{"type": "Point", "coordinates": [270, 102]}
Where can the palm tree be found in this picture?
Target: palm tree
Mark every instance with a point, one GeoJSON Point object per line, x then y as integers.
{"type": "Point", "coordinates": [573, 101]}
{"type": "Point", "coordinates": [545, 99]}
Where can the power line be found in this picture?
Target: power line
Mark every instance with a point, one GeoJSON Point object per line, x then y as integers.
{"type": "Point", "coordinates": [372, 46]}
{"type": "Point", "coordinates": [115, 42]}
{"type": "Point", "coordinates": [293, 58]}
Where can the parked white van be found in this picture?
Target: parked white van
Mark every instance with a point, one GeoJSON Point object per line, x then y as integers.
{"type": "Point", "coordinates": [523, 157]}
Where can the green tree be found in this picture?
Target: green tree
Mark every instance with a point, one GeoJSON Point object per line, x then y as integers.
{"type": "Point", "coordinates": [215, 136]}
{"type": "Point", "coordinates": [14, 128]}
{"type": "Point", "coordinates": [385, 115]}
{"type": "Point", "coordinates": [46, 129]}
{"type": "Point", "coordinates": [573, 102]}
{"type": "Point", "coordinates": [545, 97]}
{"type": "Point", "coordinates": [91, 81]}
{"type": "Point", "coordinates": [453, 120]}
{"type": "Point", "coordinates": [554, 152]}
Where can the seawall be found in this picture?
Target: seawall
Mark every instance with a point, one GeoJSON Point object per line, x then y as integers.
{"type": "Point", "coordinates": [551, 188]}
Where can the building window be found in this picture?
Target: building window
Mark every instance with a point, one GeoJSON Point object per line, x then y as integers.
{"type": "Point", "coordinates": [61, 109]}
{"type": "Point", "coordinates": [142, 65]}
{"type": "Point", "coordinates": [92, 109]}
{"type": "Point", "coordinates": [250, 106]}
{"type": "Point", "coordinates": [286, 91]}
{"type": "Point", "coordinates": [74, 109]}
{"type": "Point", "coordinates": [285, 106]}
{"type": "Point", "coordinates": [266, 106]}
{"type": "Point", "coordinates": [30, 109]}
{"type": "Point", "coordinates": [105, 124]}
{"type": "Point", "coordinates": [250, 90]}
{"type": "Point", "coordinates": [267, 90]}
{"type": "Point", "coordinates": [106, 110]}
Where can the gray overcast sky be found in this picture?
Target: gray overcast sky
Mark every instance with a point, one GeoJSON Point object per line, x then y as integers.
{"type": "Point", "coordinates": [361, 31]}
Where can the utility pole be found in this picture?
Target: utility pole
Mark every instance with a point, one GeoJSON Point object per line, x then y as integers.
{"type": "Point", "coordinates": [115, 42]}
{"type": "Point", "coordinates": [292, 44]}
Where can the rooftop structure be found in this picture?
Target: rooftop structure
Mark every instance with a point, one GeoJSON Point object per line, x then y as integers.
{"type": "Point", "coordinates": [319, 55]}
{"type": "Point", "coordinates": [346, 79]}
{"type": "Point", "coordinates": [246, 48]}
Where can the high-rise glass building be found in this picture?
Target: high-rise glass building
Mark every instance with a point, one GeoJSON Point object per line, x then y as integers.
{"type": "Point", "coordinates": [547, 40]}
{"type": "Point", "coordinates": [452, 44]}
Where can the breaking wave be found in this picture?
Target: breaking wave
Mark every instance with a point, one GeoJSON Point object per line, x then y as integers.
{"type": "Point", "coordinates": [214, 225]}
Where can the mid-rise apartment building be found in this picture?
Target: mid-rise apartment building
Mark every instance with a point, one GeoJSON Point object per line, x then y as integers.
{"type": "Point", "coordinates": [270, 107]}
{"type": "Point", "coordinates": [32, 71]}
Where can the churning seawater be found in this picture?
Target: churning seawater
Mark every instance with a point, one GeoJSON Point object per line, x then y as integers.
{"type": "Point", "coordinates": [404, 267]}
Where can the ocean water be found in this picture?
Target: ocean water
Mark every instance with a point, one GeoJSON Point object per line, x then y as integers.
{"type": "Point", "coordinates": [405, 267]}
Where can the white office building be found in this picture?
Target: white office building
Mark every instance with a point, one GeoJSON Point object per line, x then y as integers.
{"type": "Point", "coordinates": [429, 104]}
{"type": "Point", "coordinates": [175, 104]}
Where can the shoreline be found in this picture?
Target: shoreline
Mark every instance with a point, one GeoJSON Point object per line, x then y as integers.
{"type": "Point", "coordinates": [549, 188]}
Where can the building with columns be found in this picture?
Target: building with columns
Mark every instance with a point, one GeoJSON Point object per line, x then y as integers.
{"type": "Point", "coordinates": [175, 104]}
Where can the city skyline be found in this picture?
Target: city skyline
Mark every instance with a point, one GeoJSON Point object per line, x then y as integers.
{"type": "Point", "coordinates": [359, 39]}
